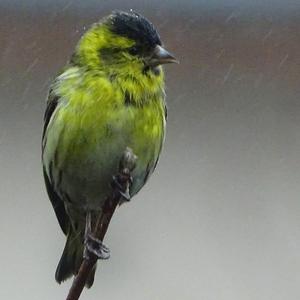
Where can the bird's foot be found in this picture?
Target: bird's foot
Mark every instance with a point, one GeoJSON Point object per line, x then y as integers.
{"type": "Point", "coordinates": [96, 247]}
{"type": "Point", "coordinates": [123, 189]}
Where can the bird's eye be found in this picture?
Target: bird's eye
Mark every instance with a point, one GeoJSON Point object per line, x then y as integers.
{"type": "Point", "coordinates": [133, 50]}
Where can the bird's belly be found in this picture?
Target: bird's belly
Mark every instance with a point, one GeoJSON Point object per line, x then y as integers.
{"type": "Point", "coordinates": [88, 163]}
{"type": "Point", "coordinates": [88, 179]}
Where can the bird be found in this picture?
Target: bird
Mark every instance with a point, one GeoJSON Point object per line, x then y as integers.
{"type": "Point", "coordinates": [109, 96]}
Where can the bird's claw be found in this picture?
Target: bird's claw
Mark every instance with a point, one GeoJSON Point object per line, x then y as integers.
{"type": "Point", "coordinates": [96, 247]}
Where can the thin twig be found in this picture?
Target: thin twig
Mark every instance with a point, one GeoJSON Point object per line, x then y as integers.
{"type": "Point", "coordinates": [127, 164]}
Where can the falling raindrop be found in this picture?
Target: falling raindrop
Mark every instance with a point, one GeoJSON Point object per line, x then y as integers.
{"type": "Point", "coordinates": [283, 61]}
{"type": "Point", "coordinates": [228, 73]}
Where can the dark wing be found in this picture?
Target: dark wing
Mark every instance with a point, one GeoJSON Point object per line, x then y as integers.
{"type": "Point", "coordinates": [57, 203]}
{"type": "Point", "coordinates": [51, 105]}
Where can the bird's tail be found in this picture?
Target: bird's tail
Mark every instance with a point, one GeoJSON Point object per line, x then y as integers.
{"type": "Point", "coordinates": [71, 259]}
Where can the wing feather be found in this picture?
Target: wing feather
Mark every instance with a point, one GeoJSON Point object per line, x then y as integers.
{"type": "Point", "coordinates": [56, 201]}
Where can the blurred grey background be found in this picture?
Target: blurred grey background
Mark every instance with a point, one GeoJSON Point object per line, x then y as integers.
{"type": "Point", "coordinates": [220, 218]}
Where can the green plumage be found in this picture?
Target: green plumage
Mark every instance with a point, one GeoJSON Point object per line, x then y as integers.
{"type": "Point", "coordinates": [105, 99]}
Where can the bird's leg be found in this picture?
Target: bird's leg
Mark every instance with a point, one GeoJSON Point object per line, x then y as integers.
{"type": "Point", "coordinates": [92, 244]}
{"type": "Point", "coordinates": [122, 190]}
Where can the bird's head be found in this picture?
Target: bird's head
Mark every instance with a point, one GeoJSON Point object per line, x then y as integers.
{"type": "Point", "coordinates": [124, 42]}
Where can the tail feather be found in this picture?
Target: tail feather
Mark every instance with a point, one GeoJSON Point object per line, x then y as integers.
{"type": "Point", "coordinates": [71, 260]}
{"type": "Point", "coordinates": [91, 277]}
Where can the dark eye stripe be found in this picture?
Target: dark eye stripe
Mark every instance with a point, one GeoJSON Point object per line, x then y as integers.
{"type": "Point", "coordinates": [109, 53]}
{"type": "Point", "coordinates": [133, 50]}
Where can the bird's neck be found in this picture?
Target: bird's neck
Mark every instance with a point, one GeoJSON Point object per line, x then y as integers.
{"type": "Point", "coordinates": [140, 88]}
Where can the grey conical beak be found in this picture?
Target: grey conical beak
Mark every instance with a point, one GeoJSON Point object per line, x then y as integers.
{"type": "Point", "coordinates": [161, 56]}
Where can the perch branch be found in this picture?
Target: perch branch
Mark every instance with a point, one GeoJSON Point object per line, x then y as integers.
{"type": "Point", "coordinates": [127, 164]}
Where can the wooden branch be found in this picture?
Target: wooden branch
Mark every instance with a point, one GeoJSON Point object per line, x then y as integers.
{"type": "Point", "coordinates": [127, 164]}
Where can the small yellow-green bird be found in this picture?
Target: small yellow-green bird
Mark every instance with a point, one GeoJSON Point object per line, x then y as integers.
{"type": "Point", "coordinates": [108, 97]}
